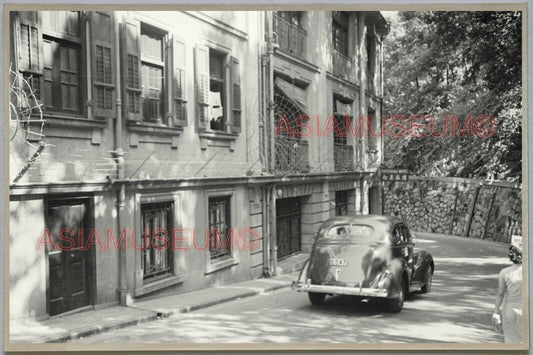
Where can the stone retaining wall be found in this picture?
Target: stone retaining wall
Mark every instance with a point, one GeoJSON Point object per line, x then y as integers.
{"type": "Point", "coordinates": [462, 207]}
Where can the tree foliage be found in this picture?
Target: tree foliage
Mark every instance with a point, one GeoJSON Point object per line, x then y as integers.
{"type": "Point", "coordinates": [456, 63]}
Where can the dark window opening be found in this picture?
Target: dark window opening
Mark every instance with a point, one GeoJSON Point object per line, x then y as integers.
{"type": "Point", "coordinates": [217, 90]}
{"type": "Point", "coordinates": [341, 203]}
{"type": "Point", "coordinates": [375, 125]}
{"type": "Point", "coordinates": [340, 20]}
{"type": "Point", "coordinates": [371, 60]}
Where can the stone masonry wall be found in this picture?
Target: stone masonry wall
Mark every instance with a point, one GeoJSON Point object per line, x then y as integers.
{"type": "Point", "coordinates": [455, 206]}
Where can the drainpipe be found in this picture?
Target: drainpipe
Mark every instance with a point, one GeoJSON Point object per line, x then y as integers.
{"type": "Point", "coordinates": [270, 51]}
{"type": "Point", "coordinates": [272, 161]}
{"type": "Point", "coordinates": [382, 157]}
{"type": "Point", "coordinates": [120, 163]}
{"type": "Point", "coordinates": [266, 224]}
{"type": "Point", "coordinates": [273, 233]}
{"type": "Point", "coordinates": [262, 79]}
{"type": "Point", "coordinates": [89, 68]}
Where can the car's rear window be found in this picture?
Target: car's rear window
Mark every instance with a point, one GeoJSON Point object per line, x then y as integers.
{"type": "Point", "coordinates": [351, 231]}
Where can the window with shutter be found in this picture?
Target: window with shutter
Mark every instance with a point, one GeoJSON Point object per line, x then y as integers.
{"type": "Point", "coordinates": [217, 90]}
{"type": "Point", "coordinates": [235, 95]}
{"type": "Point", "coordinates": [30, 51]}
{"type": "Point", "coordinates": [152, 73]}
{"type": "Point", "coordinates": [147, 73]}
{"type": "Point", "coordinates": [218, 86]}
{"type": "Point", "coordinates": [131, 51]}
{"type": "Point", "coordinates": [179, 82]}
{"type": "Point", "coordinates": [103, 74]}
{"type": "Point", "coordinates": [50, 49]}
{"type": "Point", "coordinates": [202, 86]}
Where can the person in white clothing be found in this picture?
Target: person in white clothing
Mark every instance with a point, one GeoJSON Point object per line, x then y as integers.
{"type": "Point", "coordinates": [510, 295]}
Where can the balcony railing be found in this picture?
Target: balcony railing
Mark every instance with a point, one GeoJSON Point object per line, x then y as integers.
{"type": "Point", "coordinates": [343, 66]}
{"type": "Point", "coordinates": [343, 157]}
{"type": "Point", "coordinates": [292, 154]}
{"type": "Point", "coordinates": [291, 38]}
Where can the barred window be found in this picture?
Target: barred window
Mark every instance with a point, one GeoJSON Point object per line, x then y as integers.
{"type": "Point", "coordinates": [156, 229]}
{"type": "Point", "coordinates": [219, 227]}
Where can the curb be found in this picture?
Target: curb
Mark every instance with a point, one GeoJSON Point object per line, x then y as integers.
{"type": "Point", "coordinates": [158, 315]}
{"type": "Point", "coordinates": [99, 329]}
{"type": "Point", "coordinates": [220, 301]}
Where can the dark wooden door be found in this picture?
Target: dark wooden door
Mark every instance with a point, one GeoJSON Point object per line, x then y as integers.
{"type": "Point", "coordinates": [68, 268]}
{"type": "Point", "coordinates": [288, 231]}
{"type": "Point", "coordinates": [374, 200]}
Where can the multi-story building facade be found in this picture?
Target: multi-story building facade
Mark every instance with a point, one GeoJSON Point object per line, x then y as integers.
{"type": "Point", "coordinates": [140, 140]}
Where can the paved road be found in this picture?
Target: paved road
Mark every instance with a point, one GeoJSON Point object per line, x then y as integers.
{"type": "Point", "coordinates": [458, 309]}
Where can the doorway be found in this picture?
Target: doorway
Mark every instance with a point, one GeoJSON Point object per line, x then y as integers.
{"type": "Point", "coordinates": [288, 228]}
{"type": "Point", "coordinates": [70, 266]}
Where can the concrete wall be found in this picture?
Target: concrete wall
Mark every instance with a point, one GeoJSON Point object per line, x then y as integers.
{"type": "Point", "coordinates": [462, 207]}
{"type": "Point", "coordinates": [27, 265]}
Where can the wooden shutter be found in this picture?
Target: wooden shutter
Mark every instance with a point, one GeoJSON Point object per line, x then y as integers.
{"type": "Point", "coordinates": [202, 85]}
{"type": "Point", "coordinates": [30, 52]}
{"type": "Point", "coordinates": [131, 66]}
{"type": "Point", "coordinates": [30, 58]}
{"type": "Point", "coordinates": [103, 54]}
{"type": "Point", "coordinates": [235, 95]}
{"type": "Point", "coordinates": [179, 82]}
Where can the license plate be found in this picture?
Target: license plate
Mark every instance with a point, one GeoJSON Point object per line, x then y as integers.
{"type": "Point", "coordinates": [338, 262]}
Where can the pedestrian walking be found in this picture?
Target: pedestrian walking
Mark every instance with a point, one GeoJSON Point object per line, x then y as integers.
{"type": "Point", "coordinates": [510, 294]}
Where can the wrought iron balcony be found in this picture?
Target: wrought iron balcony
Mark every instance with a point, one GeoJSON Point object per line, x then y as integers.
{"type": "Point", "coordinates": [292, 154]}
{"type": "Point", "coordinates": [343, 157]}
{"type": "Point", "coordinates": [291, 38]}
{"type": "Point", "coordinates": [343, 66]}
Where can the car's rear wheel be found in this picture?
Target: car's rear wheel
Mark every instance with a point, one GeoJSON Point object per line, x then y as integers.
{"type": "Point", "coordinates": [429, 280]}
{"type": "Point", "coordinates": [396, 304]}
{"type": "Point", "coordinates": [316, 299]}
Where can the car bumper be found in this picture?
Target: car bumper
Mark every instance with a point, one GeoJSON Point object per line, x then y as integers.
{"type": "Point", "coordinates": [342, 290]}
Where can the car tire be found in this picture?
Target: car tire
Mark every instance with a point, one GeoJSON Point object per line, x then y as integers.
{"type": "Point", "coordinates": [395, 305]}
{"type": "Point", "coordinates": [316, 299]}
{"type": "Point", "coordinates": [429, 280]}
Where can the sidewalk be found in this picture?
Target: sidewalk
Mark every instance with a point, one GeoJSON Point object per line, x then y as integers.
{"type": "Point", "coordinates": [83, 324]}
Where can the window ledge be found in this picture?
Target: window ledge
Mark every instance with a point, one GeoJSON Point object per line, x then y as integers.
{"type": "Point", "coordinates": [152, 128]}
{"type": "Point", "coordinates": [219, 265]}
{"type": "Point", "coordinates": [159, 284]}
{"type": "Point", "coordinates": [341, 80]}
{"type": "Point", "coordinates": [218, 139]}
{"type": "Point", "coordinates": [297, 60]}
{"type": "Point", "coordinates": [218, 135]}
{"type": "Point", "coordinates": [73, 121]}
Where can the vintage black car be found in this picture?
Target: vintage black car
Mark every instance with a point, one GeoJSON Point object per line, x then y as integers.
{"type": "Point", "coordinates": [367, 256]}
